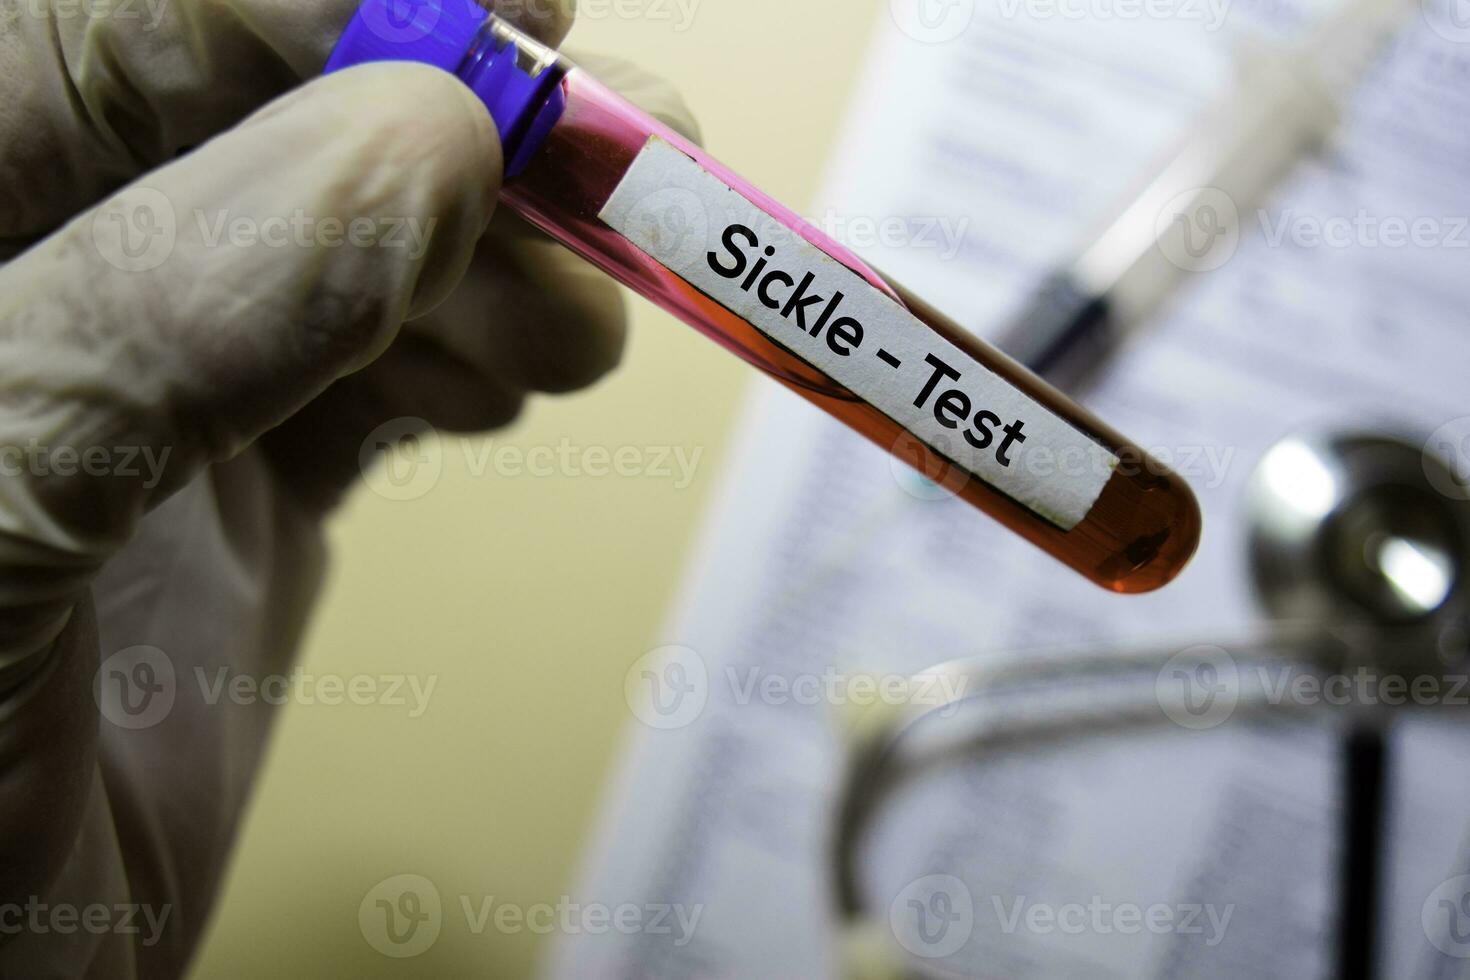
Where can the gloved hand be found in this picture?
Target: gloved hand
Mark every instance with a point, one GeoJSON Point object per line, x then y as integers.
{"type": "Point", "coordinates": [187, 370]}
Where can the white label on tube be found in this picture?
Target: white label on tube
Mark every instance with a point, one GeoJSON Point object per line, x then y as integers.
{"type": "Point", "coordinates": [714, 238]}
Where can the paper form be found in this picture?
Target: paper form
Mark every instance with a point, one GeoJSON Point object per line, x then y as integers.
{"type": "Point", "coordinates": [824, 557]}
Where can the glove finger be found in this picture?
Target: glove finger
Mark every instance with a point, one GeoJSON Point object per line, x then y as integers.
{"type": "Point", "coordinates": [531, 316]}
{"type": "Point", "coordinates": [528, 316]}
{"type": "Point", "coordinates": [188, 315]}
{"type": "Point", "coordinates": [98, 93]}
{"type": "Point", "coordinates": [423, 378]}
{"type": "Point", "coordinates": [323, 449]}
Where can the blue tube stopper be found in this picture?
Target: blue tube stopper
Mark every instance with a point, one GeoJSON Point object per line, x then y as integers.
{"type": "Point", "coordinates": [453, 35]}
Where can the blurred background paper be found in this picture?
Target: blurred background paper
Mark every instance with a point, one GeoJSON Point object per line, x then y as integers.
{"type": "Point", "coordinates": [1024, 129]}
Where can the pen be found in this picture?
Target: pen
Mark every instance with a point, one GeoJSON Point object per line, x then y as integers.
{"type": "Point", "coordinates": [1186, 216]}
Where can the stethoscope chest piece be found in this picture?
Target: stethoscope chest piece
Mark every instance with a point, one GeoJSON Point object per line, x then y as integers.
{"type": "Point", "coordinates": [1354, 531]}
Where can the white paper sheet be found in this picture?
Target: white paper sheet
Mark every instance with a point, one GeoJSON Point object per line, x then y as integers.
{"type": "Point", "coordinates": [823, 558]}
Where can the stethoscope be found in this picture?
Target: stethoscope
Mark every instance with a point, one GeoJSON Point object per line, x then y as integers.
{"type": "Point", "coordinates": [1358, 545]}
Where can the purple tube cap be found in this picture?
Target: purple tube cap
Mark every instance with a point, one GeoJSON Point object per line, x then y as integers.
{"type": "Point", "coordinates": [435, 32]}
{"type": "Point", "coordinates": [443, 33]}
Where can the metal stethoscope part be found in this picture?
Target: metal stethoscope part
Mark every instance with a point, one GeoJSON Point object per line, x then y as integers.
{"type": "Point", "coordinates": [1358, 554]}
{"type": "Point", "coordinates": [1359, 529]}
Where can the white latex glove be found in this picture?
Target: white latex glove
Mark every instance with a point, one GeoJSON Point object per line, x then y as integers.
{"type": "Point", "coordinates": [176, 414]}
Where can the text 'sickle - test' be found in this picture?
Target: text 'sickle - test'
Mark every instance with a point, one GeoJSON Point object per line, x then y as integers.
{"type": "Point", "coordinates": [661, 216]}
{"type": "Point", "coordinates": [844, 334]}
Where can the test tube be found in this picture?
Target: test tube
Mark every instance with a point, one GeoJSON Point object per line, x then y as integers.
{"type": "Point", "coordinates": [661, 216]}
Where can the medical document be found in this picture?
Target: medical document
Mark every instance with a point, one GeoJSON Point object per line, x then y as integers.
{"type": "Point", "coordinates": [827, 568]}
